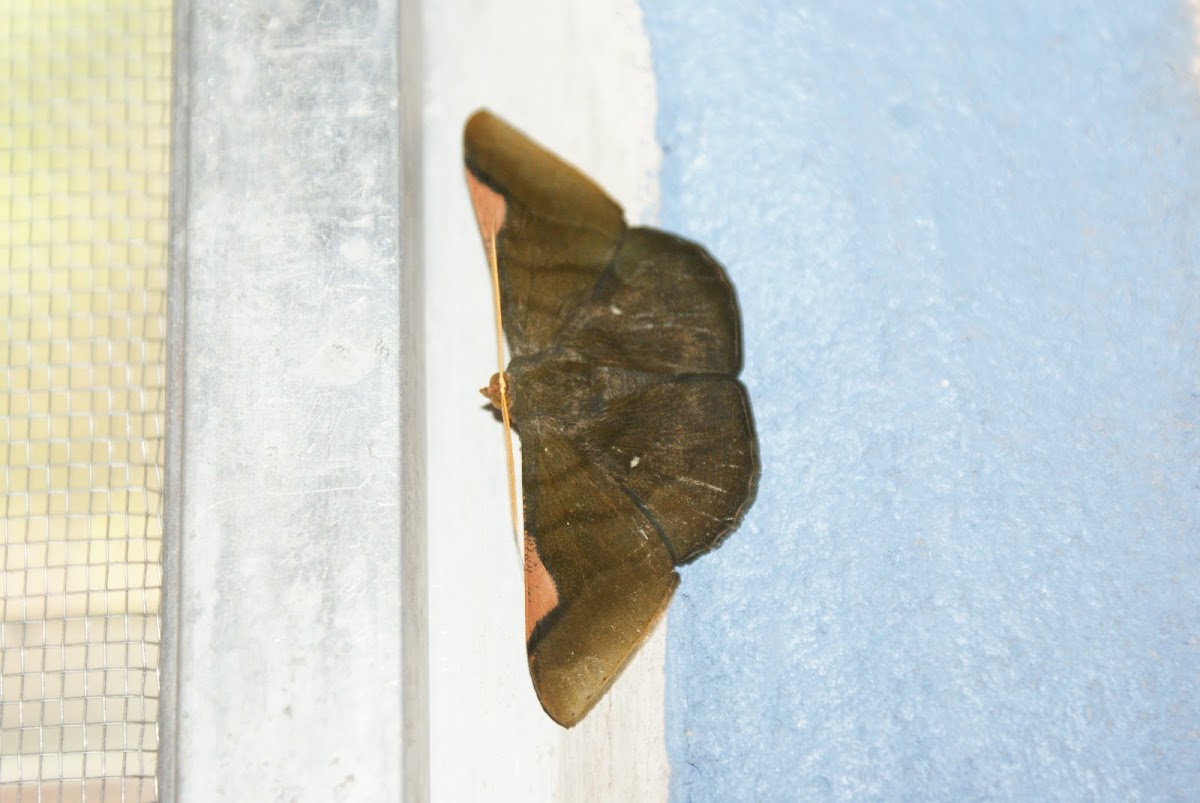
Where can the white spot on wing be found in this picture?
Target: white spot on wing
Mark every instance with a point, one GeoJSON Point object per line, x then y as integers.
{"type": "Point", "coordinates": [634, 462]}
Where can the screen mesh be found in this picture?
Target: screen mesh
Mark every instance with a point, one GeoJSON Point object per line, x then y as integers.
{"type": "Point", "coordinates": [84, 123]}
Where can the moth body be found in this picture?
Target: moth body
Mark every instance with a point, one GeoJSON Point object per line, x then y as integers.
{"type": "Point", "coordinates": [638, 444]}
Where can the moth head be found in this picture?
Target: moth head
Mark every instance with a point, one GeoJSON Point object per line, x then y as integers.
{"type": "Point", "coordinates": [498, 387]}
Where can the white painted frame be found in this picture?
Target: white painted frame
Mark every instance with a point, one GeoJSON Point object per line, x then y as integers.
{"type": "Point", "coordinates": [577, 77]}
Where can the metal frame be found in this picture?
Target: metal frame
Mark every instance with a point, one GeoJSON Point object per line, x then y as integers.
{"type": "Point", "coordinates": [295, 646]}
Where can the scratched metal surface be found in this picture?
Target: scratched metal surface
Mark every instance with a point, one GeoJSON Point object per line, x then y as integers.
{"type": "Point", "coordinates": [292, 400]}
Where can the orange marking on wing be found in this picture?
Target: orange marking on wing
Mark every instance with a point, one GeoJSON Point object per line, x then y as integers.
{"type": "Point", "coordinates": [541, 596]}
{"type": "Point", "coordinates": [490, 207]}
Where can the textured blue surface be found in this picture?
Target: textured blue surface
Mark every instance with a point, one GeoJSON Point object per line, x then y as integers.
{"type": "Point", "coordinates": [966, 239]}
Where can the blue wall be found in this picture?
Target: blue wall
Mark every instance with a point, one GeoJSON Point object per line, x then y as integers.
{"type": "Point", "coordinates": [965, 238]}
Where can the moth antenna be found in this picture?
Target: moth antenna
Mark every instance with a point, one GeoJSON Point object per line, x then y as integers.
{"type": "Point", "coordinates": [494, 266]}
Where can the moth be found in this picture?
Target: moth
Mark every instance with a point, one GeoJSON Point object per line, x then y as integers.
{"type": "Point", "coordinates": [638, 445]}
